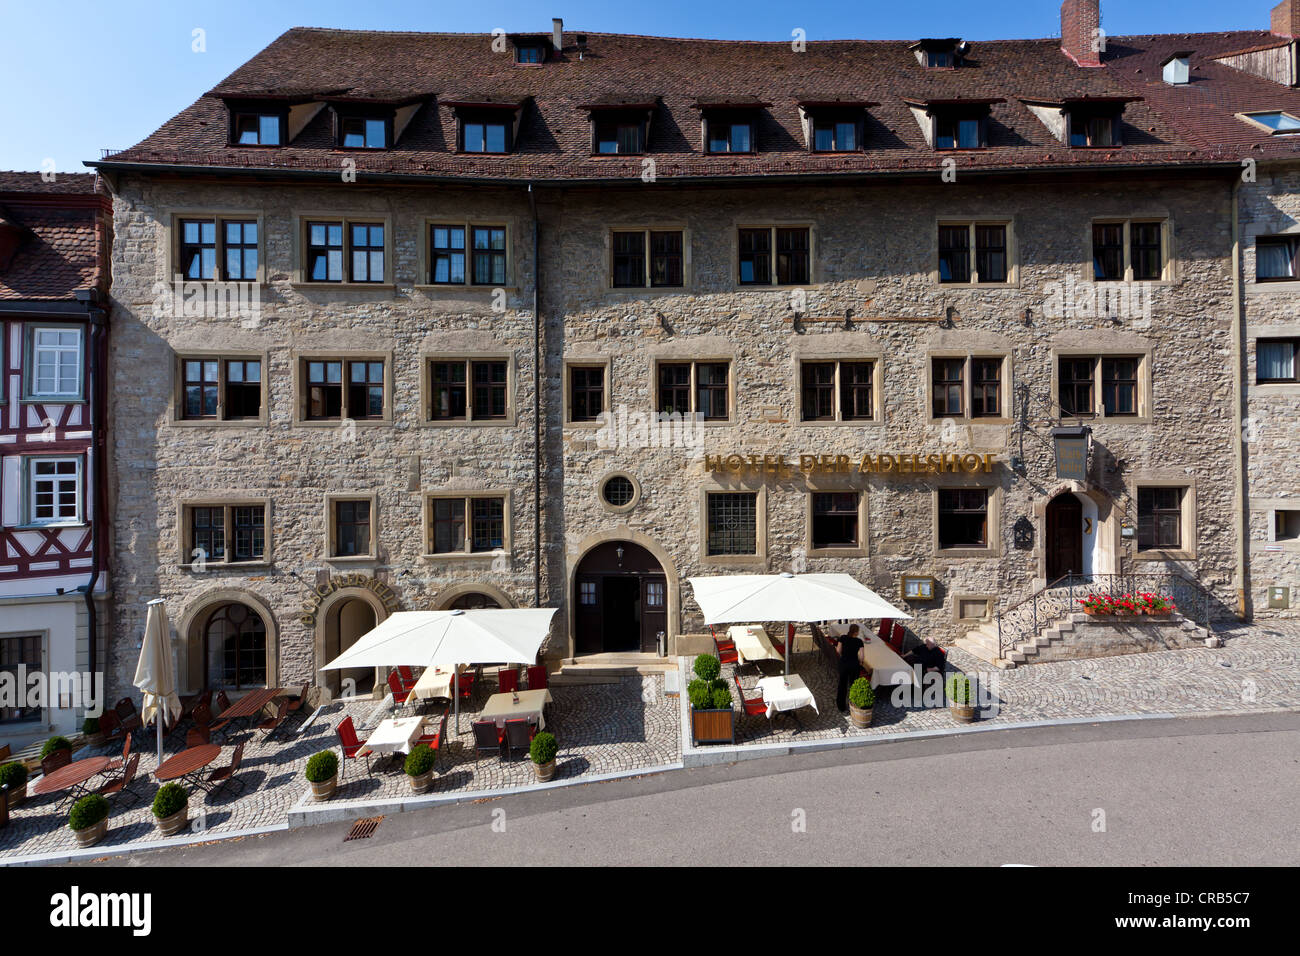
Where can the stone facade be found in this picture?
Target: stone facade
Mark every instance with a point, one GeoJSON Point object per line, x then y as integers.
{"type": "Point", "coordinates": [874, 253]}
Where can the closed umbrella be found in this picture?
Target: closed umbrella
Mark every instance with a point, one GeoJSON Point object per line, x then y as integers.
{"type": "Point", "coordinates": [803, 598]}
{"type": "Point", "coordinates": [154, 676]}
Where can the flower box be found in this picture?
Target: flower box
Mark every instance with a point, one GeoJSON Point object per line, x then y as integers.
{"type": "Point", "coordinates": [713, 726]}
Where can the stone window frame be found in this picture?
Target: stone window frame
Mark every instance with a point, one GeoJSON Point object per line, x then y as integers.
{"type": "Point", "coordinates": [172, 236]}
{"type": "Point", "coordinates": [301, 218]}
{"type": "Point", "coordinates": [424, 258]}
{"type": "Point", "coordinates": [618, 509]}
{"type": "Point", "coordinates": [815, 278]}
{"type": "Point", "coordinates": [27, 384]}
{"type": "Point", "coordinates": [1187, 528]}
{"type": "Point", "coordinates": [1169, 272]}
{"type": "Point", "coordinates": [426, 521]}
{"type": "Point", "coordinates": [819, 484]}
{"type": "Point", "coordinates": [1012, 250]}
{"type": "Point", "coordinates": [1271, 510]}
{"type": "Point", "coordinates": [1272, 229]}
{"type": "Point", "coordinates": [1005, 397]}
{"type": "Point", "coordinates": [596, 361]}
{"type": "Point", "coordinates": [176, 415]}
{"type": "Point", "coordinates": [758, 560]}
{"type": "Point", "coordinates": [298, 360]}
{"type": "Point", "coordinates": [1145, 385]}
{"type": "Point", "coordinates": [993, 547]}
{"type": "Point", "coordinates": [961, 597]}
{"type": "Point", "coordinates": [708, 358]}
{"type": "Point", "coordinates": [646, 227]}
{"type": "Point", "coordinates": [427, 358]}
{"type": "Point", "coordinates": [184, 541]}
{"type": "Point", "coordinates": [331, 499]}
{"type": "Point", "coordinates": [874, 356]}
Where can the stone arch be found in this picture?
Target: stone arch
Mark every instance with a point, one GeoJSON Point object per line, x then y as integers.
{"type": "Point", "coordinates": [447, 595]}
{"type": "Point", "coordinates": [622, 533]}
{"type": "Point", "coordinates": [193, 622]}
{"type": "Point", "coordinates": [1101, 546]}
{"type": "Point", "coordinates": [327, 612]}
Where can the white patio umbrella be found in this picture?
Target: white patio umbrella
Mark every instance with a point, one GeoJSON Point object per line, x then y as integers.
{"type": "Point", "coordinates": [154, 676]}
{"type": "Point", "coordinates": [450, 638]}
{"type": "Point", "coordinates": [802, 598]}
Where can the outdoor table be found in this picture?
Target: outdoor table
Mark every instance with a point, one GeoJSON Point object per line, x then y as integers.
{"type": "Point", "coordinates": [779, 697]}
{"type": "Point", "coordinates": [71, 777]}
{"type": "Point", "coordinates": [502, 707]}
{"type": "Point", "coordinates": [434, 682]}
{"type": "Point", "coordinates": [886, 666]}
{"type": "Point", "coordinates": [250, 705]}
{"type": "Point", "coordinates": [752, 644]}
{"type": "Point", "coordinates": [188, 764]}
{"type": "Point", "coordinates": [395, 735]}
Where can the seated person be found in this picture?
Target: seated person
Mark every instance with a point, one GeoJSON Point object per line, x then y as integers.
{"type": "Point", "coordinates": [928, 655]}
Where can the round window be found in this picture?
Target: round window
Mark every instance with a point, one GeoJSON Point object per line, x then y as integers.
{"type": "Point", "coordinates": [618, 491]}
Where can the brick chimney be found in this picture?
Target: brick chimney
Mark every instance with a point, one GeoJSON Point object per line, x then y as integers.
{"type": "Point", "coordinates": [1080, 31]}
{"type": "Point", "coordinates": [1285, 21]}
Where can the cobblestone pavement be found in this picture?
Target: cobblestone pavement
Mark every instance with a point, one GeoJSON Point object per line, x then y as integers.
{"type": "Point", "coordinates": [604, 728]}
{"type": "Point", "coordinates": [1257, 668]}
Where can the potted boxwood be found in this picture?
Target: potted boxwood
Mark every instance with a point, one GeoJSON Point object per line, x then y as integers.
{"type": "Point", "coordinates": [90, 728]}
{"type": "Point", "coordinates": [55, 743]}
{"type": "Point", "coordinates": [861, 699]}
{"type": "Point", "coordinates": [323, 774]}
{"type": "Point", "coordinates": [14, 776]}
{"type": "Point", "coordinates": [960, 700]}
{"type": "Point", "coordinates": [712, 719]}
{"type": "Point", "coordinates": [419, 767]}
{"type": "Point", "coordinates": [542, 752]}
{"type": "Point", "coordinates": [88, 819]}
{"type": "Point", "coordinates": [171, 808]}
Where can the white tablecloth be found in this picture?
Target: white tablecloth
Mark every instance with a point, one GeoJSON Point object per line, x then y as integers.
{"type": "Point", "coordinates": [887, 668]}
{"type": "Point", "coordinates": [502, 707]}
{"type": "Point", "coordinates": [752, 643]}
{"type": "Point", "coordinates": [778, 696]}
{"type": "Point", "coordinates": [395, 735]}
{"type": "Point", "coordinates": [434, 682]}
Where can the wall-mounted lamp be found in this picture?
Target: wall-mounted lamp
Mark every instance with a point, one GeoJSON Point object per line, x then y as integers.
{"type": "Point", "coordinates": [619, 551]}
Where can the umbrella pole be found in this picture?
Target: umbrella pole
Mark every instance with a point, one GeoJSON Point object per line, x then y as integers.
{"type": "Point", "coordinates": [455, 681]}
{"type": "Point", "coordinates": [789, 643]}
{"type": "Point", "coordinates": [157, 716]}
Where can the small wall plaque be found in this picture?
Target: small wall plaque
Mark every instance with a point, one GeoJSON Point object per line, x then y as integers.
{"type": "Point", "coordinates": [1279, 598]}
{"type": "Point", "coordinates": [917, 587]}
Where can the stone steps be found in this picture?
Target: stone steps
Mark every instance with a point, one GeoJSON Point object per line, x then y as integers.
{"type": "Point", "coordinates": [610, 668]}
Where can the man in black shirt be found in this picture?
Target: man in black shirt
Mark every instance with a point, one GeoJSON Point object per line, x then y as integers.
{"type": "Point", "coordinates": [850, 646]}
{"type": "Point", "coordinates": [929, 656]}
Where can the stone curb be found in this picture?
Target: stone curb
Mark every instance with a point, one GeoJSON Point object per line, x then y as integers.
{"type": "Point", "coordinates": [97, 852]}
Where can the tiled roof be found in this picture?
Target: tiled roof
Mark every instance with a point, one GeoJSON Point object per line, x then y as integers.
{"type": "Point", "coordinates": [1167, 125]}
{"type": "Point", "coordinates": [58, 227]}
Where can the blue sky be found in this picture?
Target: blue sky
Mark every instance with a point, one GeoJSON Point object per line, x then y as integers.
{"type": "Point", "coordinates": [79, 76]}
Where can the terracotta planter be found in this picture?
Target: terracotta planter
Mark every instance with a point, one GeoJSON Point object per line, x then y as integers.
{"type": "Point", "coordinates": [174, 824]}
{"type": "Point", "coordinates": [962, 713]}
{"type": "Point", "coordinates": [324, 789]}
{"type": "Point", "coordinates": [713, 726]}
{"type": "Point", "coordinates": [421, 783]}
{"type": "Point", "coordinates": [17, 795]}
{"type": "Point", "coordinates": [92, 834]}
{"type": "Point", "coordinates": [861, 718]}
{"type": "Point", "coordinates": [545, 771]}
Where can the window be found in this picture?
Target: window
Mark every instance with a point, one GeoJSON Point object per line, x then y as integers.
{"type": "Point", "coordinates": [1127, 251]}
{"type": "Point", "coordinates": [489, 256]}
{"type": "Point", "coordinates": [695, 387]}
{"type": "Point", "coordinates": [1275, 121]}
{"type": "Point", "coordinates": [467, 390]}
{"type": "Point", "coordinates": [1286, 525]}
{"type": "Point", "coordinates": [1076, 387]}
{"type": "Point", "coordinates": [952, 131]}
{"type": "Point", "coordinates": [587, 593]}
{"type": "Point", "coordinates": [220, 389]}
{"type": "Point", "coordinates": [56, 362]}
{"type": "Point", "coordinates": [473, 524]}
{"type": "Point", "coordinates": [586, 392]}
{"type": "Point", "coordinates": [780, 254]}
{"type": "Point", "coordinates": [655, 593]}
{"type": "Point", "coordinates": [257, 129]}
{"type": "Point", "coordinates": [619, 137]}
{"type": "Point", "coordinates": [1160, 518]}
{"type": "Point", "coordinates": [986, 388]}
{"type": "Point", "coordinates": [325, 251]}
{"type": "Point", "coordinates": [730, 136]}
{"type": "Point", "coordinates": [836, 136]}
{"type": "Point", "coordinates": [485, 136]}
{"type": "Point", "coordinates": [967, 386]}
{"type": "Point", "coordinates": [973, 252]}
{"type": "Point", "coordinates": [1275, 258]}
{"type": "Point", "coordinates": [732, 523]}
{"type": "Point", "coordinates": [963, 517]}
{"type": "Point", "coordinates": [1119, 383]}
{"type": "Point", "coordinates": [1081, 378]}
{"type": "Point", "coordinates": [213, 249]}
{"type": "Point", "coordinates": [211, 526]}
{"type": "Point", "coordinates": [367, 253]}
{"type": "Point", "coordinates": [531, 53]}
{"type": "Point", "coordinates": [54, 491]}
{"type": "Point", "coordinates": [352, 528]}
{"type": "Point", "coordinates": [447, 255]}
{"type": "Point", "coordinates": [629, 260]}
{"type": "Point", "coordinates": [618, 491]}
{"type": "Point", "coordinates": [235, 641]}
{"type": "Point", "coordinates": [835, 519]}
{"type": "Point", "coordinates": [363, 132]}
{"type": "Point", "coordinates": [1275, 361]}
{"type": "Point", "coordinates": [327, 399]}
{"type": "Point", "coordinates": [948, 387]}
{"type": "Point", "coordinates": [20, 653]}
{"type": "Point", "coordinates": [939, 59]}
{"type": "Point", "coordinates": [1092, 129]}
{"type": "Point", "coordinates": [836, 391]}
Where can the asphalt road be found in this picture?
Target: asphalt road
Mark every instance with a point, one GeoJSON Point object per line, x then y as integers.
{"type": "Point", "coordinates": [1210, 791]}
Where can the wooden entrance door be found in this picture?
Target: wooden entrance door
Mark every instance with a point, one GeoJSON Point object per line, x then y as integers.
{"type": "Point", "coordinates": [620, 600]}
{"type": "Point", "coordinates": [1064, 538]}
{"type": "Point", "coordinates": [654, 611]}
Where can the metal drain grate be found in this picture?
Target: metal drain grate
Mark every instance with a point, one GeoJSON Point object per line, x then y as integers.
{"type": "Point", "coordinates": [363, 829]}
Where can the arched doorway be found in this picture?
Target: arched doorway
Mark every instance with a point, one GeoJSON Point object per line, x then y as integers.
{"type": "Point", "coordinates": [345, 622]}
{"type": "Point", "coordinates": [1063, 540]}
{"type": "Point", "coordinates": [619, 600]}
{"type": "Point", "coordinates": [472, 601]}
{"type": "Point", "coordinates": [234, 648]}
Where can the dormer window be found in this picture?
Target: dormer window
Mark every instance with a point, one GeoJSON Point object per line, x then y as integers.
{"type": "Point", "coordinates": [533, 49]}
{"type": "Point", "coordinates": [620, 128]}
{"type": "Point", "coordinates": [619, 137]}
{"type": "Point", "coordinates": [730, 136]}
{"type": "Point", "coordinates": [730, 124]}
{"type": "Point", "coordinates": [835, 126]}
{"type": "Point", "coordinates": [363, 132]}
{"type": "Point", "coordinates": [835, 136]}
{"type": "Point", "coordinates": [940, 54]}
{"type": "Point", "coordinates": [257, 129]}
{"type": "Point", "coordinates": [938, 59]}
{"type": "Point", "coordinates": [533, 53]}
{"type": "Point", "coordinates": [1093, 129]}
{"type": "Point", "coordinates": [953, 131]}
{"type": "Point", "coordinates": [486, 126]}
{"type": "Point", "coordinates": [485, 136]}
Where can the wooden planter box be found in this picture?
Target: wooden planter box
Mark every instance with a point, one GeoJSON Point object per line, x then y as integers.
{"type": "Point", "coordinates": [713, 726]}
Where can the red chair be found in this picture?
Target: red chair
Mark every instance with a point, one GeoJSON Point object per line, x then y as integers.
{"type": "Point", "coordinates": [350, 745]}
{"type": "Point", "coordinates": [725, 642]}
{"type": "Point", "coordinates": [896, 637]}
{"type": "Point", "coordinates": [778, 645]}
{"type": "Point", "coordinates": [224, 775]}
{"type": "Point", "coordinates": [537, 677]}
{"type": "Point", "coordinates": [435, 739]}
{"type": "Point", "coordinates": [466, 683]}
{"type": "Point", "coordinates": [519, 733]}
{"type": "Point", "coordinates": [508, 680]}
{"type": "Point", "coordinates": [753, 706]}
{"type": "Point", "coordinates": [407, 675]}
{"type": "Point", "coordinates": [400, 693]}
{"type": "Point", "coordinates": [726, 653]}
{"type": "Point", "coordinates": [886, 625]}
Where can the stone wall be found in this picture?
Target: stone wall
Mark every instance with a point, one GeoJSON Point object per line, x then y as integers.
{"type": "Point", "coordinates": [1111, 636]}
